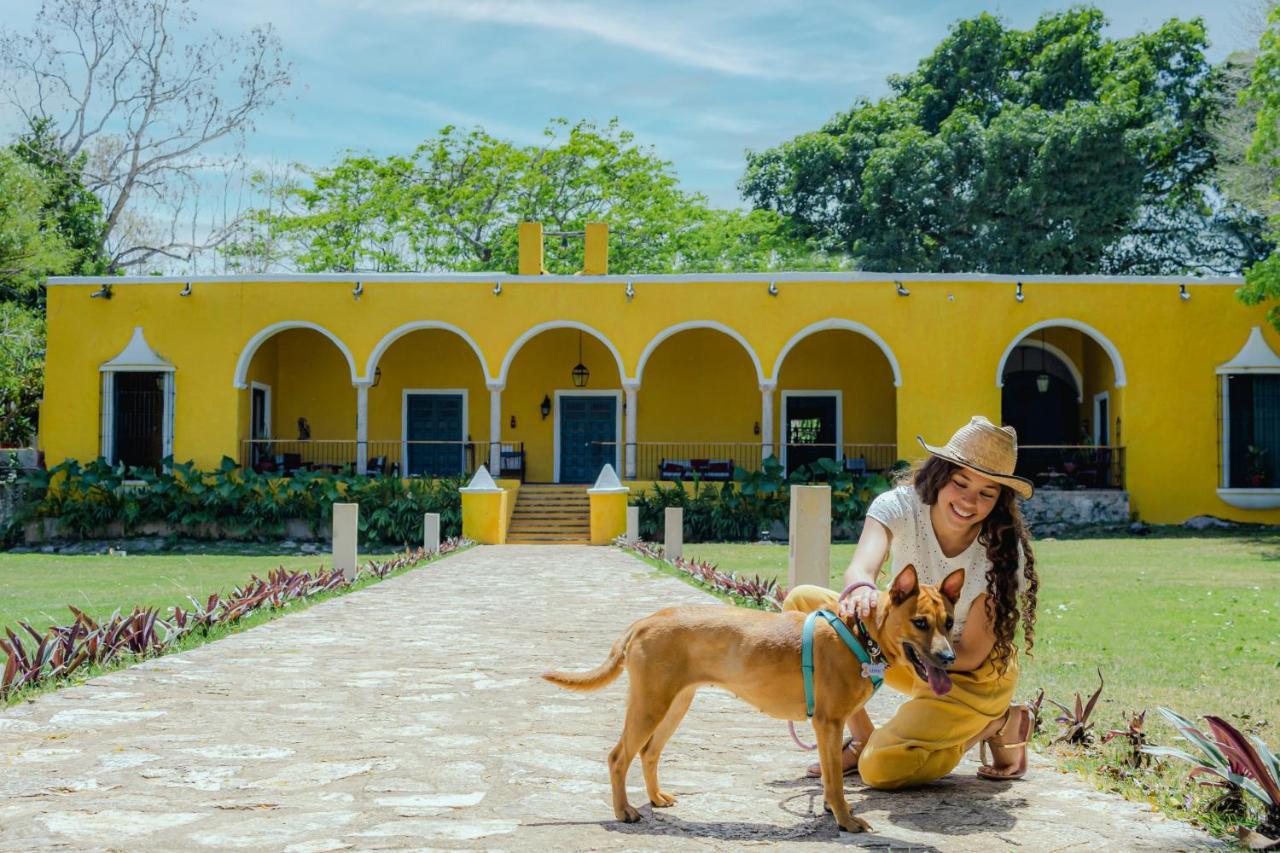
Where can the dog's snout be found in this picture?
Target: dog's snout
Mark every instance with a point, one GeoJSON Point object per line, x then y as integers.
{"type": "Point", "coordinates": [947, 657]}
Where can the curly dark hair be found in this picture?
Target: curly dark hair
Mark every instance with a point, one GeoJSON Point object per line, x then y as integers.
{"type": "Point", "coordinates": [1003, 531]}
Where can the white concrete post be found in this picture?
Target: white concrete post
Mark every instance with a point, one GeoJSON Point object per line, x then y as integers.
{"type": "Point", "coordinates": [632, 390]}
{"type": "Point", "coordinates": [766, 419]}
{"type": "Point", "coordinates": [495, 427]}
{"type": "Point", "coordinates": [431, 532]}
{"type": "Point", "coordinates": [345, 533]}
{"type": "Point", "coordinates": [809, 551]}
{"type": "Point", "coordinates": [362, 428]}
{"type": "Point", "coordinates": [673, 532]}
{"type": "Point", "coordinates": [633, 524]}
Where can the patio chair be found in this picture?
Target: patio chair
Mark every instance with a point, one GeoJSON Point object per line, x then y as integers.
{"type": "Point", "coordinates": [674, 469]}
{"type": "Point", "coordinates": [511, 463]}
{"type": "Point", "coordinates": [856, 465]}
{"type": "Point", "coordinates": [377, 466]}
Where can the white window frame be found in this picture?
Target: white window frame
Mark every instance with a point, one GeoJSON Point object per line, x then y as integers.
{"type": "Point", "coordinates": [404, 420]}
{"type": "Point", "coordinates": [169, 403]}
{"type": "Point", "coordinates": [617, 422]}
{"type": "Point", "coordinates": [798, 392]}
{"type": "Point", "coordinates": [1097, 418]}
{"type": "Point", "coordinates": [266, 389]}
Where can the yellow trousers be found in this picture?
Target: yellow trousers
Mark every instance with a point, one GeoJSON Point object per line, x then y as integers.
{"type": "Point", "coordinates": [926, 738]}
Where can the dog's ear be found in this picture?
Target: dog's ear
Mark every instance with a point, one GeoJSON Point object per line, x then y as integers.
{"type": "Point", "coordinates": [904, 585]}
{"type": "Point", "coordinates": [952, 584]}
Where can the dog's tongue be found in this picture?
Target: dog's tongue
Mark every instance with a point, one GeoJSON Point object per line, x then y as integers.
{"type": "Point", "coordinates": [939, 681]}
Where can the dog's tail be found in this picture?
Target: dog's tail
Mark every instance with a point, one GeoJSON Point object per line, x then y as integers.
{"type": "Point", "coordinates": [602, 675]}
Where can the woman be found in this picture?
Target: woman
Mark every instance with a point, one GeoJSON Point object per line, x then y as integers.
{"type": "Point", "coordinates": [957, 510]}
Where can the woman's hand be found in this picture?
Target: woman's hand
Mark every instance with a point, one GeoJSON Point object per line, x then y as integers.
{"type": "Point", "coordinates": [860, 603]}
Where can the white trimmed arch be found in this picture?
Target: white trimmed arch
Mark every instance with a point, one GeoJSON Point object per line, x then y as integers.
{"type": "Point", "coordinates": [417, 325]}
{"type": "Point", "coordinates": [845, 325]}
{"type": "Point", "coordinates": [1117, 363]}
{"type": "Point", "coordinates": [560, 324]}
{"type": "Point", "coordinates": [698, 324]}
{"type": "Point", "coordinates": [1057, 352]}
{"type": "Point", "coordinates": [246, 355]}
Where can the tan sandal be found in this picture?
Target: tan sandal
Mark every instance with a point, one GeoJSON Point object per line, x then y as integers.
{"type": "Point", "coordinates": [814, 771]}
{"type": "Point", "coordinates": [987, 770]}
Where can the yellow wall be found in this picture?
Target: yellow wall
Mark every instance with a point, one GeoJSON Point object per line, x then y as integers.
{"type": "Point", "coordinates": [543, 366]}
{"type": "Point", "coordinates": [845, 361]}
{"type": "Point", "coordinates": [948, 337]}
{"type": "Point", "coordinates": [425, 359]}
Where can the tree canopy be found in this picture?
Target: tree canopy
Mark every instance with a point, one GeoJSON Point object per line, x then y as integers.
{"type": "Point", "coordinates": [1051, 150]}
{"type": "Point", "coordinates": [455, 201]}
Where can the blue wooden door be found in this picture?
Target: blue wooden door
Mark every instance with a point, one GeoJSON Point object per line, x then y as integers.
{"type": "Point", "coordinates": [588, 432]}
{"type": "Point", "coordinates": [434, 418]}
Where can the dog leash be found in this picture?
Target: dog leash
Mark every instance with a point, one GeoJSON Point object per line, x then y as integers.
{"type": "Point", "coordinates": [871, 669]}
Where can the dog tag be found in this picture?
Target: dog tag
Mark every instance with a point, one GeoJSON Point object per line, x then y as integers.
{"type": "Point", "coordinates": [873, 670]}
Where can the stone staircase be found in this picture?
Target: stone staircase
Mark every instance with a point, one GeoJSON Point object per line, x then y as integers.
{"type": "Point", "coordinates": [550, 514]}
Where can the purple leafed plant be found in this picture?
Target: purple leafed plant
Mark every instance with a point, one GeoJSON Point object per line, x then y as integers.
{"type": "Point", "coordinates": [1075, 722]}
{"type": "Point", "coordinates": [1136, 736]}
{"type": "Point", "coordinates": [765, 594]}
{"type": "Point", "coordinates": [144, 633]}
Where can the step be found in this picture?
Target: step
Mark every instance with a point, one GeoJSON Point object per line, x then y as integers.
{"type": "Point", "coordinates": [550, 531]}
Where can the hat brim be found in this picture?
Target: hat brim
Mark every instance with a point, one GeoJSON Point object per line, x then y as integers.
{"type": "Point", "coordinates": [1021, 485]}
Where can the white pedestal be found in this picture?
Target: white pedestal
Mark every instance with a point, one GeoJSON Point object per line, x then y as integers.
{"type": "Point", "coordinates": [809, 554]}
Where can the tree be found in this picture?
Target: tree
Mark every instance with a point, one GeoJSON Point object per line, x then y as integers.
{"type": "Point", "coordinates": [30, 244]}
{"type": "Point", "coordinates": [1052, 150]}
{"type": "Point", "coordinates": [145, 116]}
{"type": "Point", "coordinates": [1262, 280]}
{"type": "Point", "coordinates": [455, 202]}
{"type": "Point", "coordinates": [21, 372]}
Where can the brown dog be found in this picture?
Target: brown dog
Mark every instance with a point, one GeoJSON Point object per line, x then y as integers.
{"type": "Point", "coordinates": [756, 656]}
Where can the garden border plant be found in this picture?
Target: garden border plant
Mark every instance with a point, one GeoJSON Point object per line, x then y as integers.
{"type": "Point", "coordinates": [744, 508]}
{"type": "Point", "coordinates": [85, 500]}
{"type": "Point", "coordinates": [87, 647]}
{"type": "Point", "coordinates": [755, 592]}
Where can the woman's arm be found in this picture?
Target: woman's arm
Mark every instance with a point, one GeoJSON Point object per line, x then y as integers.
{"type": "Point", "coordinates": [977, 639]}
{"type": "Point", "coordinates": [868, 558]}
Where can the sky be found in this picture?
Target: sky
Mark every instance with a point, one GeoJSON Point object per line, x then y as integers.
{"type": "Point", "coordinates": [700, 82]}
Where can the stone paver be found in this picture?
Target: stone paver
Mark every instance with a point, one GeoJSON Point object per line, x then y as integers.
{"type": "Point", "coordinates": [410, 715]}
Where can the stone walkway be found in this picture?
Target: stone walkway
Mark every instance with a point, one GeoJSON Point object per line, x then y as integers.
{"type": "Point", "coordinates": [409, 715]}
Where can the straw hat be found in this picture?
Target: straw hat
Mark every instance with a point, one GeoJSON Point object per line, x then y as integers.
{"type": "Point", "coordinates": [989, 450]}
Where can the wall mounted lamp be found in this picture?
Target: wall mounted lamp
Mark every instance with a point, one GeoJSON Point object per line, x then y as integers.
{"type": "Point", "coordinates": [513, 421]}
{"type": "Point", "coordinates": [1183, 292]}
{"type": "Point", "coordinates": [1017, 294]}
{"type": "Point", "coordinates": [186, 291]}
{"type": "Point", "coordinates": [545, 407]}
{"type": "Point", "coordinates": [377, 377]}
{"type": "Point", "coordinates": [631, 291]}
{"type": "Point", "coordinates": [756, 428]}
{"type": "Point", "coordinates": [358, 290]}
{"type": "Point", "coordinates": [497, 288]}
{"type": "Point", "coordinates": [773, 288]}
{"type": "Point", "coordinates": [902, 291]}
{"type": "Point", "coordinates": [103, 292]}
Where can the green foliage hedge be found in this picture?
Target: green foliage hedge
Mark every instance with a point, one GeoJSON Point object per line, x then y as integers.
{"type": "Point", "coordinates": [84, 499]}
{"type": "Point", "coordinates": [742, 509]}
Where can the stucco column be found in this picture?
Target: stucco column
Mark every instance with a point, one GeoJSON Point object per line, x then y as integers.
{"type": "Point", "coordinates": [495, 426]}
{"type": "Point", "coordinates": [362, 428]}
{"type": "Point", "coordinates": [766, 418]}
{"type": "Point", "coordinates": [632, 389]}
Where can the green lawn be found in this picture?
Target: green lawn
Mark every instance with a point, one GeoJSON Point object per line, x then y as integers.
{"type": "Point", "coordinates": [38, 587]}
{"type": "Point", "coordinates": [1189, 622]}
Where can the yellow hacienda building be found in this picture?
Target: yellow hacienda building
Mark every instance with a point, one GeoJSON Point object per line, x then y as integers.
{"type": "Point", "coordinates": [1168, 388]}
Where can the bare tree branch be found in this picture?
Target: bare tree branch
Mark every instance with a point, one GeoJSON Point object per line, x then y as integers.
{"type": "Point", "coordinates": [153, 112]}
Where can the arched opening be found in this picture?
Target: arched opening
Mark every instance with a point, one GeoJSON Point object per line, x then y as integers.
{"type": "Point", "coordinates": [1062, 390]}
{"type": "Point", "coordinates": [428, 409]}
{"type": "Point", "coordinates": [698, 406]}
{"type": "Point", "coordinates": [836, 399]}
{"type": "Point", "coordinates": [298, 403]}
{"type": "Point", "coordinates": [569, 427]}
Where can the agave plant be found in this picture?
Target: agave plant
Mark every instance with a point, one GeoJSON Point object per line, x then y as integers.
{"type": "Point", "coordinates": [1075, 723]}
{"type": "Point", "coordinates": [1241, 765]}
{"type": "Point", "coordinates": [1136, 735]}
{"type": "Point", "coordinates": [1037, 724]}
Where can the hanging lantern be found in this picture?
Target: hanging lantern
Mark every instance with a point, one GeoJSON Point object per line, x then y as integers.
{"type": "Point", "coordinates": [580, 372]}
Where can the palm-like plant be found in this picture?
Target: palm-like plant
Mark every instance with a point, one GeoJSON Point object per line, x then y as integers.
{"type": "Point", "coordinates": [1241, 765]}
{"type": "Point", "coordinates": [1075, 722]}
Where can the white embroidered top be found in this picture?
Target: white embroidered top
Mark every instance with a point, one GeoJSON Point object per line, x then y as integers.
{"type": "Point", "coordinates": [915, 543]}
